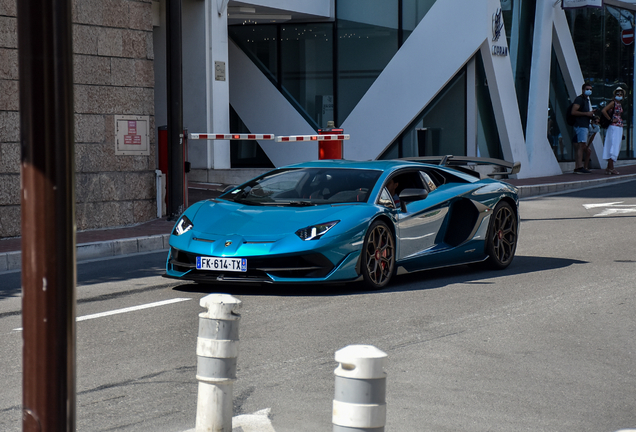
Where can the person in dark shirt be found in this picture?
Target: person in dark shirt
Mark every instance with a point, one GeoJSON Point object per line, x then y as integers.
{"type": "Point", "coordinates": [392, 186]}
{"type": "Point", "coordinates": [582, 110]}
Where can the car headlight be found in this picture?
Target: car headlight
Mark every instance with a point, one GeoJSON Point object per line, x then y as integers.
{"type": "Point", "coordinates": [314, 232]}
{"type": "Point", "coordinates": [184, 225]}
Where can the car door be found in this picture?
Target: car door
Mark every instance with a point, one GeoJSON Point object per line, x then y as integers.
{"type": "Point", "coordinates": [419, 222]}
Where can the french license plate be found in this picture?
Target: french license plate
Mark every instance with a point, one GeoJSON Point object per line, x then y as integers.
{"type": "Point", "coordinates": [222, 264]}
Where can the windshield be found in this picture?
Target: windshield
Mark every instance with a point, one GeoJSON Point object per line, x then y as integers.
{"type": "Point", "coordinates": [306, 186]}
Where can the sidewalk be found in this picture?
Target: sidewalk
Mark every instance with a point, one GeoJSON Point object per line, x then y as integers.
{"type": "Point", "coordinates": [154, 235]}
{"type": "Point", "coordinates": [571, 182]}
{"type": "Point", "coordinates": [103, 243]}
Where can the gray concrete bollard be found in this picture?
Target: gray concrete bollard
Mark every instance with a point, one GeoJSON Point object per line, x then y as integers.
{"type": "Point", "coordinates": [359, 403]}
{"type": "Point", "coordinates": [217, 353]}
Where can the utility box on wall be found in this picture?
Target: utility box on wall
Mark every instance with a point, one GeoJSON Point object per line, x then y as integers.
{"type": "Point", "coordinates": [132, 137]}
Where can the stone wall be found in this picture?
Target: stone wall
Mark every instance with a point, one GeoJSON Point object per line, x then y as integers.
{"type": "Point", "coordinates": [113, 75]}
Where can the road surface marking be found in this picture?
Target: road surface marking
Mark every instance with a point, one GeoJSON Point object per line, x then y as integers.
{"type": "Point", "coordinates": [257, 422]}
{"type": "Point", "coordinates": [589, 206]}
{"type": "Point", "coordinates": [612, 208]}
{"type": "Point", "coordinates": [124, 310]}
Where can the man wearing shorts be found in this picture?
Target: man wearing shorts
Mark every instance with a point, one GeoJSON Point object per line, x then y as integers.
{"type": "Point", "coordinates": [582, 111]}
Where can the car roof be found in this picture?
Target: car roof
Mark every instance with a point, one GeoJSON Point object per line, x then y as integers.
{"type": "Point", "coordinates": [382, 165]}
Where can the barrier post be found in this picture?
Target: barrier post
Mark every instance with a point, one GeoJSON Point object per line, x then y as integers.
{"type": "Point", "coordinates": [359, 403]}
{"type": "Point", "coordinates": [217, 353]}
{"type": "Point", "coordinates": [330, 149]}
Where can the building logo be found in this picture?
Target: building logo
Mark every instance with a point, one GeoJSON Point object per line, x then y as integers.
{"type": "Point", "coordinates": [497, 25]}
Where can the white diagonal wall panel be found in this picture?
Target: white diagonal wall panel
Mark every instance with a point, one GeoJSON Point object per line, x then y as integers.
{"type": "Point", "coordinates": [540, 154]}
{"type": "Point", "coordinates": [446, 38]}
{"type": "Point", "coordinates": [264, 109]}
{"type": "Point", "coordinates": [506, 109]}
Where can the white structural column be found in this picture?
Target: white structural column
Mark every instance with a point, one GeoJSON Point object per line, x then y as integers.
{"type": "Point", "coordinates": [540, 156]}
{"type": "Point", "coordinates": [501, 87]}
{"type": "Point", "coordinates": [217, 82]}
{"type": "Point", "coordinates": [505, 107]}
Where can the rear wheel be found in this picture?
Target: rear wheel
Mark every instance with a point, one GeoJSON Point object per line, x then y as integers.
{"type": "Point", "coordinates": [378, 256]}
{"type": "Point", "coordinates": [501, 241]}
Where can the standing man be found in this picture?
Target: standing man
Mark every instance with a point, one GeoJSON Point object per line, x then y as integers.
{"type": "Point", "coordinates": [582, 110]}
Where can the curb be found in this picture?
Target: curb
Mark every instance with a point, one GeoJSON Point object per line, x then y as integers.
{"type": "Point", "coordinates": [563, 187]}
{"type": "Point", "coordinates": [12, 261]}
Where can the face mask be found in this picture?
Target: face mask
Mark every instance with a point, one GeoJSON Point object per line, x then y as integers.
{"type": "Point", "coordinates": [619, 98]}
{"type": "Point", "coordinates": [588, 93]}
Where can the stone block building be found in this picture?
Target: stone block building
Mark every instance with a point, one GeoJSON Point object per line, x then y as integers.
{"type": "Point", "coordinates": [113, 87]}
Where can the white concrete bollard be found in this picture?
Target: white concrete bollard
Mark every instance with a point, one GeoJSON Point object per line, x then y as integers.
{"type": "Point", "coordinates": [217, 353]}
{"type": "Point", "coordinates": [359, 403]}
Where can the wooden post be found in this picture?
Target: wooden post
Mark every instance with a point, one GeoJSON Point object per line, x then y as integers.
{"type": "Point", "coordinates": [45, 59]}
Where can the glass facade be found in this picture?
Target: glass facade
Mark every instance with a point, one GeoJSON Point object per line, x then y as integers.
{"type": "Point", "coordinates": [439, 129]}
{"type": "Point", "coordinates": [246, 153]}
{"type": "Point", "coordinates": [488, 142]}
{"type": "Point", "coordinates": [606, 59]}
{"type": "Point", "coordinates": [412, 13]}
{"type": "Point", "coordinates": [298, 60]}
{"type": "Point", "coordinates": [325, 75]}
{"type": "Point", "coordinates": [367, 38]}
{"type": "Point", "coordinates": [306, 53]}
{"type": "Point", "coordinates": [559, 133]}
{"type": "Point", "coordinates": [260, 42]}
{"type": "Point", "coordinates": [518, 18]}
{"type": "Point", "coordinates": [324, 69]}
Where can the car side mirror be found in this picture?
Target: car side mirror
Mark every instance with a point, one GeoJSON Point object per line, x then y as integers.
{"type": "Point", "coordinates": [410, 195]}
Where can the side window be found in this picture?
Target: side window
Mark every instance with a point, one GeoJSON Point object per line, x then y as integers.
{"type": "Point", "coordinates": [385, 199]}
{"type": "Point", "coordinates": [429, 183]}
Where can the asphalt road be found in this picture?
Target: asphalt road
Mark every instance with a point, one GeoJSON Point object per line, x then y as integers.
{"type": "Point", "coordinates": [545, 345]}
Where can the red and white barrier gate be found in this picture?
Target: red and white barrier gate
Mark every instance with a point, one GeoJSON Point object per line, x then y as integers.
{"type": "Point", "coordinates": [292, 138]}
{"type": "Point", "coordinates": [330, 145]}
{"type": "Point", "coordinates": [206, 136]}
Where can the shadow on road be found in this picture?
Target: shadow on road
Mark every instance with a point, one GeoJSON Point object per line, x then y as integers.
{"type": "Point", "coordinates": [425, 280]}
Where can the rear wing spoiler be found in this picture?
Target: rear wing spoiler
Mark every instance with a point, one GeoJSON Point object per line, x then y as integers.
{"type": "Point", "coordinates": [460, 163]}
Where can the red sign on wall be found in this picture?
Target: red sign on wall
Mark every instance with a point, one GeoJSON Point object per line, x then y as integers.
{"type": "Point", "coordinates": [627, 36]}
{"type": "Point", "coordinates": [132, 138]}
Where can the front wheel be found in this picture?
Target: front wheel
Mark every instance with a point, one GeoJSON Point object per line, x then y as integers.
{"type": "Point", "coordinates": [378, 256]}
{"type": "Point", "coordinates": [501, 241]}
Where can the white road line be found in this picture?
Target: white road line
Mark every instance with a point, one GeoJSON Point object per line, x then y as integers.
{"type": "Point", "coordinates": [589, 206]}
{"type": "Point", "coordinates": [612, 208]}
{"type": "Point", "coordinates": [614, 211]}
{"type": "Point", "coordinates": [124, 310]}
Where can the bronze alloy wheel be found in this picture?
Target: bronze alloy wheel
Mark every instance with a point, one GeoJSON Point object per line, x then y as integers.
{"type": "Point", "coordinates": [501, 241]}
{"type": "Point", "coordinates": [378, 255]}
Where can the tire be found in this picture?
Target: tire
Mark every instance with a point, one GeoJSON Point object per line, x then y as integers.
{"type": "Point", "coordinates": [378, 256]}
{"type": "Point", "coordinates": [501, 240]}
